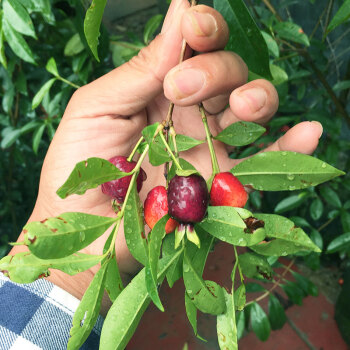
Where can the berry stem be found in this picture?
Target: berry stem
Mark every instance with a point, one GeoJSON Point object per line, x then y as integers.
{"type": "Point", "coordinates": [214, 161]}
{"type": "Point", "coordinates": [135, 149]}
{"type": "Point", "coordinates": [177, 164]}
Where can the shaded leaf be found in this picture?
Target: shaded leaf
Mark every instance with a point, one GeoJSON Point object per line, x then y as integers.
{"type": "Point", "coordinates": [42, 92]}
{"type": "Point", "coordinates": [277, 315]}
{"type": "Point", "coordinates": [74, 46]}
{"type": "Point", "coordinates": [291, 202]}
{"type": "Point", "coordinates": [37, 136]}
{"type": "Point", "coordinates": [340, 243]}
{"type": "Point", "coordinates": [255, 266]}
{"type": "Point", "coordinates": [330, 196]}
{"type": "Point", "coordinates": [316, 209]}
{"type": "Point", "coordinates": [174, 272]}
{"type": "Point", "coordinates": [191, 312]}
{"type": "Point", "coordinates": [259, 321]}
{"type": "Point", "coordinates": [342, 15]}
{"type": "Point", "coordinates": [291, 31]}
{"type": "Point", "coordinates": [151, 26]}
{"type": "Point", "coordinates": [245, 37]}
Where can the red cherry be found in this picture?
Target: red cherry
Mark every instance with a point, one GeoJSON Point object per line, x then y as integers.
{"type": "Point", "coordinates": [156, 206]}
{"type": "Point", "coordinates": [117, 188]}
{"type": "Point", "coordinates": [227, 190]}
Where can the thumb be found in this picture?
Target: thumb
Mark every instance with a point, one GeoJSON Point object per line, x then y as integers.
{"type": "Point", "coordinates": [129, 88]}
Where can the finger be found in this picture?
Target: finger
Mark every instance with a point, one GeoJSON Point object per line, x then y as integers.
{"type": "Point", "coordinates": [216, 104]}
{"type": "Point", "coordinates": [256, 101]}
{"type": "Point", "coordinates": [302, 138]}
{"type": "Point", "coordinates": [204, 29]}
{"type": "Point", "coordinates": [205, 76]}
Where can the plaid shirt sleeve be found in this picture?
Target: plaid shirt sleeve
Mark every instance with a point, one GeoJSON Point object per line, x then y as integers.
{"type": "Point", "coordinates": [39, 316]}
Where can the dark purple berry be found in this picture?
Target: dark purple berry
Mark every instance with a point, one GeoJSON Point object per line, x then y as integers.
{"type": "Point", "coordinates": [117, 188]}
{"type": "Point", "coordinates": [188, 198]}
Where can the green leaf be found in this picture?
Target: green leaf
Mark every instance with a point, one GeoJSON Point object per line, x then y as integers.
{"type": "Point", "coordinates": [340, 243]}
{"type": "Point", "coordinates": [184, 143]}
{"type": "Point", "coordinates": [345, 220]}
{"type": "Point", "coordinates": [134, 228]}
{"type": "Point", "coordinates": [150, 27]}
{"type": "Point", "coordinates": [113, 282]}
{"type": "Point", "coordinates": [305, 284]}
{"type": "Point", "coordinates": [240, 324]}
{"type": "Point", "coordinates": [342, 85]}
{"type": "Point", "coordinates": [3, 58]}
{"type": "Point", "coordinates": [89, 174]}
{"type": "Point", "coordinates": [253, 287]}
{"type": "Point", "coordinates": [207, 296]}
{"type": "Point", "coordinates": [226, 325]}
{"type": "Point", "coordinates": [17, 43]}
{"type": "Point", "coordinates": [16, 14]}
{"type": "Point", "coordinates": [25, 267]}
{"type": "Point", "coordinates": [277, 316]}
{"type": "Point", "coordinates": [286, 237]}
{"type": "Point", "coordinates": [126, 312]}
{"type": "Point", "coordinates": [63, 235]}
{"type": "Point", "coordinates": [259, 321]}
{"type": "Point", "coordinates": [74, 46]}
{"type": "Point", "coordinates": [291, 31]}
{"type": "Point", "coordinates": [330, 196]}
{"type": "Point", "coordinates": [240, 133]}
{"type": "Point", "coordinates": [255, 266]}
{"type": "Point", "coordinates": [185, 165]}
{"type": "Point", "coordinates": [291, 202]}
{"type": "Point", "coordinates": [294, 293]}
{"type": "Point", "coordinates": [279, 171]}
{"type": "Point", "coordinates": [245, 37]}
{"type": "Point", "coordinates": [182, 172]}
{"type": "Point", "coordinates": [271, 44]}
{"type": "Point", "coordinates": [240, 297]}
{"type": "Point", "coordinates": [226, 224]}
{"type": "Point", "coordinates": [279, 76]}
{"type": "Point", "coordinates": [37, 136]}
{"type": "Point", "coordinates": [174, 272]}
{"type": "Point", "coordinates": [342, 15]}
{"type": "Point", "coordinates": [88, 310]}
{"type": "Point", "coordinates": [10, 137]}
{"type": "Point", "coordinates": [316, 209]}
{"type": "Point", "coordinates": [154, 243]}
{"type": "Point", "coordinates": [42, 92]}
{"type": "Point", "coordinates": [191, 312]}
{"type": "Point", "coordinates": [92, 24]}
{"type": "Point", "coordinates": [51, 67]}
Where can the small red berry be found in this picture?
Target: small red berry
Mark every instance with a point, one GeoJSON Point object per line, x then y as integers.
{"type": "Point", "coordinates": [117, 188]}
{"type": "Point", "coordinates": [227, 190]}
{"type": "Point", "coordinates": [188, 198]}
{"type": "Point", "coordinates": [156, 206]}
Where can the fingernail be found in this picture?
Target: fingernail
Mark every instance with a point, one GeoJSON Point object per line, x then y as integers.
{"type": "Point", "coordinates": [320, 126]}
{"type": "Point", "coordinates": [204, 24]}
{"type": "Point", "coordinates": [254, 97]}
{"type": "Point", "coordinates": [186, 82]}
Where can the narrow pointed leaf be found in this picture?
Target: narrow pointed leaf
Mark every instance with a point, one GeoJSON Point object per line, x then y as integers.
{"type": "Point", "coordinates": [277, 316]}
{"type": "Point", "coordinates": [61, 236]}
{"type": "Point", "coordinates": [240, 133]}
{"type": "Point", "coordinates": [51, 67]}
{"type": "Point", "coordinates": [245, 37]}
{"type": "Point", "coordinates": [92, 24]}
{"type": "Point", "coordinates": [37, 136]}
{"type": "Point", "coordinates": [88, 310]}
{"type": "Point", "coordinates": [226, 325]}
{"type": "Point", "coordinates": [25, 267]}
{"type": "Point", "coordinates": [89, 174]}
{"type": "Point", "coordinates": [17, 43]}
{"type": "Point", "coordinates": [174, 272]}
{"type": "Point", "coordinates": [281, 171]}
{"type": "Point", "coordinates": [184, 143]}
{"type": "Point", "coordinates": [291, 31]}
{"type": "Point", "coordinates": [191, 312]}
{"type": "Point", "coordinates": [340, 243]}
{"type": "Point", "coordinates": [226, 224]}
{"type": "Point", "coordinates": [259, 321]}
{"type": "Point", "coordinates": [126, 312]}
{"type": "Point", "coordinates": [17, 15]}
{"type": "Point", "coordinates": [113, 282]}
{"type": "Point", "coordinates": [151, 26]}
{"type": "Point", "coordinates": [42, 92]}
{"type": "Point", "coordinates": [154, 244]}
{"type": "Point", "coordinates": [342, 15]}
{"type": "Point", "coordinates": [240, 297]}
{"type": "Point", "coordinates": [134, 228]}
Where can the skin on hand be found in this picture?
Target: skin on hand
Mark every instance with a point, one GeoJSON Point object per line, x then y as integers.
{"type": "Point", "coordinates": [105, 119]}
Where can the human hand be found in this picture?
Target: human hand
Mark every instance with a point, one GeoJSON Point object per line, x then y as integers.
{"type": "Point", "coordinates": [105, 118]}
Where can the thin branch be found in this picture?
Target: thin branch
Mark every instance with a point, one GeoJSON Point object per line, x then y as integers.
{"type": "Point", "coordinates": [301, 334]}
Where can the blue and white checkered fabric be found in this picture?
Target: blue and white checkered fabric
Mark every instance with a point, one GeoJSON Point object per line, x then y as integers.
{"type": "Point", "coordinates": [38, 316]}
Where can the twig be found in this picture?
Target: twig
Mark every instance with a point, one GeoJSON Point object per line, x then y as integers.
{"type": "Point", "coordinates": [301, 334]}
